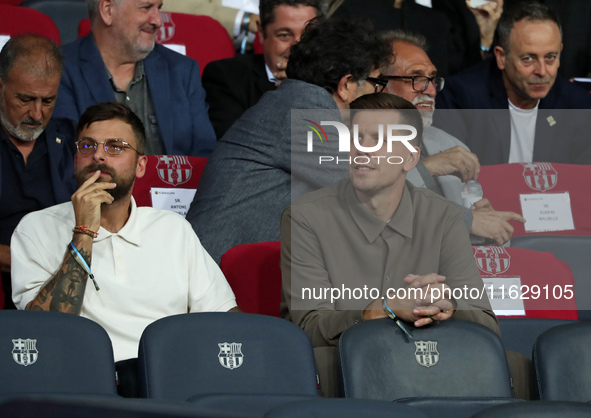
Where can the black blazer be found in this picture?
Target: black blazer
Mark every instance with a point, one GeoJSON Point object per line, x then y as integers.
{"type": "Point", "coordinates": [233, 85]}
{"type": "Point", "coordinates": [562, 125]}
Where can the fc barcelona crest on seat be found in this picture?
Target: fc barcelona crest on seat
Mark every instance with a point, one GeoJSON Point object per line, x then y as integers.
{"type": "Point", "coordinates": [492, 260]}
{"type": "Point", "coordinates": [166, 31]}
{"type": "Point", "coordinates": [25, 352]}
{"type": "Point", "coordinates": [426, 353]}
{"type": "Point", "coordinates": [230, 355]}
{"type": "Point", "coordinates": [174, 170]}
{"type": "Point", "coordinates": [540, 176]}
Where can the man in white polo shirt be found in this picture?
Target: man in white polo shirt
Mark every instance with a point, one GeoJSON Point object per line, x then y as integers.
{"type": "Point", "coordinates": [144, 263]}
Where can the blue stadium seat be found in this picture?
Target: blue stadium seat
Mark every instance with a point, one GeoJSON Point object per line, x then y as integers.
{"type": "Point", "coordinates": [562, 363]}
{"type": "Point", "coordinates": [188, 355]}
{"type": "Point", "coordinates": [51, 352]}
{"type": "Point", "coordinates": [538, 409]}
{"type": "Point", "coordinates": [519, 334]}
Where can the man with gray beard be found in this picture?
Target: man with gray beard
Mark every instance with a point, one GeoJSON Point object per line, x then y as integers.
{"type": "Point", "coordinates": [412, 76]}
{"type": "Point", "coordinates": [119, 61]}
{"type": "Point", "coordinates": [36, 163]}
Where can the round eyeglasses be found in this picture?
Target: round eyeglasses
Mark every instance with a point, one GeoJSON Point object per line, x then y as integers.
{"type": "Point", "coordinates": [420, 83]}
{"type": "Point", "coordinates": [114, 146]}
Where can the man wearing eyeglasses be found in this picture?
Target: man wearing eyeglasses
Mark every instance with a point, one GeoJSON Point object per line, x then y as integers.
{"type": "Point", "coordinates": [411, 75]}
{"type": "Point", "coordinates": [36, 162]}
{"type": "Point", "coordinates": [144, 264]}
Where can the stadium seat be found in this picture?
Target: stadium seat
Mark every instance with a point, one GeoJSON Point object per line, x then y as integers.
{"type": "Point", "coordinates": [226, 353]}
{"type": "Point", "coordinates": [11, 2]}
{"type": "Point", "coordinates": [503, 184]}
{"type": "Point", "coordinates": [16, 20]}
{"type": "Point", "coordinates": [168, 172]}
{"type": "Point", "coordinates": [449, 359]}
{"type": "Point", "coordinates": [562, 362]}
{"type": "Point", "coordinates": [62, 406]}
{"type": "Point", "coordinates": [546, 284]}
{"type": "Point", "coordinates": [204, 38]}
{"type": "Point", "coordinates": [519, 334]}
{"type": "Point", "coordinates": [573, 250]}
{"type": "Point", "coordinates": [538, 409]}
{"type": "Point", "coordinates": [66, 14]}
{"type": "Point", "coordinates": [343, 408]}
{"type": "Point", "coordinates": [51, 352]}
{"type": "Point", "coordinates": [454, 407]}
{"type": "Point", "coordinates": [254, 273]}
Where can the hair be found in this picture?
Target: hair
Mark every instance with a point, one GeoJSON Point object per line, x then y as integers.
{"type": "Point", "coordinates": [530, 10]}
{"type": "Point", "coordinates": [31, 45]}
{"type": "Point", "coordinates": [331, 49]}
{"type": "Point", "coordinates": [93, 8]}
{"type": "Point", "coordinates": [114, 111]}
{"type": "Point", "coordinates": [400, 35]}
{"type": "Point", "coordinates": [384, 101]}
{"type": "Point", "coordinates": [267, 9]}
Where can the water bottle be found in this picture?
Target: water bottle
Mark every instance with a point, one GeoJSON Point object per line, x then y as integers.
{"type": "Point", "coordinates": [471, 193]}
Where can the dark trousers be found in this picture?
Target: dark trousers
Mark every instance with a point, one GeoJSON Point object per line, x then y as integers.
{"type": "Point", "coordinates": [127, 378]}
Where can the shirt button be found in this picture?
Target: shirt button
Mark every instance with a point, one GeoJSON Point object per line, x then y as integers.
{"type": "Point", "coordinates": [127, 98]}
{"type": "Point", "coordinates": [118, 258]}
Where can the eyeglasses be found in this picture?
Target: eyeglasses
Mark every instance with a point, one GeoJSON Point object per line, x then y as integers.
{"type": "Point", "coordinates": [420, 83]}
{"type": "Point", "coordinates": [380, 83]}
{"type": "Point", "coordinates": [114, 146]}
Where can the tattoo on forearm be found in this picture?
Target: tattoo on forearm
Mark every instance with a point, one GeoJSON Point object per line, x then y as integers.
{"type": "Point", "coordinates": [65, 292]}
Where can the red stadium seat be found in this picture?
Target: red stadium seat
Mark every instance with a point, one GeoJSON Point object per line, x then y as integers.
{"type": "Point", "coordinates": [254, 273]}
{"type": "Point", "coordinates": [11, 2]}
{"type": "Point", "coordinates": [545, 280]}
{"type": "Point", "coordinates": [169, 172]}
{"type": "Point", "coordinates": [502, 185]}
{"type": "Point", "coordinates": [15, 20]}
{"type": "Point", "coordinates": [205, 38]}
{"type": "Point", "coordinates": [257, 45]}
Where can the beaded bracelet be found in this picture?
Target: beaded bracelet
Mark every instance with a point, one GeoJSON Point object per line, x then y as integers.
{"type": "Point", "coordinates": [85, 230]}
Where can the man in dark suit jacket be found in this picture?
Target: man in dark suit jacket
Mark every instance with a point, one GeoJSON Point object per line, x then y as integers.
{"type": "Point", "coordinates": [36, 163]}
{"type": "Point", "coordinates": [119, 61]}
{"type": "Point", "coordinates": [236, 84]}
{"type": "Point", "coordinates": [523, 79]}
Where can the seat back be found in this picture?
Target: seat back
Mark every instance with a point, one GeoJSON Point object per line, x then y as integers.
{"type": "Point", "coordinates": [254, 273]}
{"type": "Point", "coordinates": [16, 20]}
{"type": "Point", "coordinates": [503, 184]}
{"type": "Point", "coordinates": [573, 250]}
{"type": "Point", "coordinates": [519, 334]}
{"type": "Point", "coordinates": [343, 408]}
{"type": "Point", "coordinates": [562, 362]}
{"type": "Point", "coordinates": [168, 172]}
{"type": "Point", "coordinates": [452, 358]}
{"type": "Point", "coordinates": [203, 38]}
{"type": "Point", "coordinates": [50, 352]}
{"type": "Point", "coordinates": [186, 355]}
{"type": "Point", "coordinates": [63, 406]}
{"type": "Point", "coordinates": [543, 283]}
{"type": "Point", "coordinates": [538, 409]}
{"type": "Point", "coordinates": [66, 14]}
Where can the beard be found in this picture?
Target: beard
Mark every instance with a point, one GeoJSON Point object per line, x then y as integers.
{"type": "Point", "coordinates": [426, 114]}
{"type": "Point", "coordinates": [20, 132]}
{"type": "Point", "coordinates": [124, 184]}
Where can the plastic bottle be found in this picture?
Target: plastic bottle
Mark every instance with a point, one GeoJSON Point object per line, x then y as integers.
{"type": "Point", "coordinates": [471, 193]}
